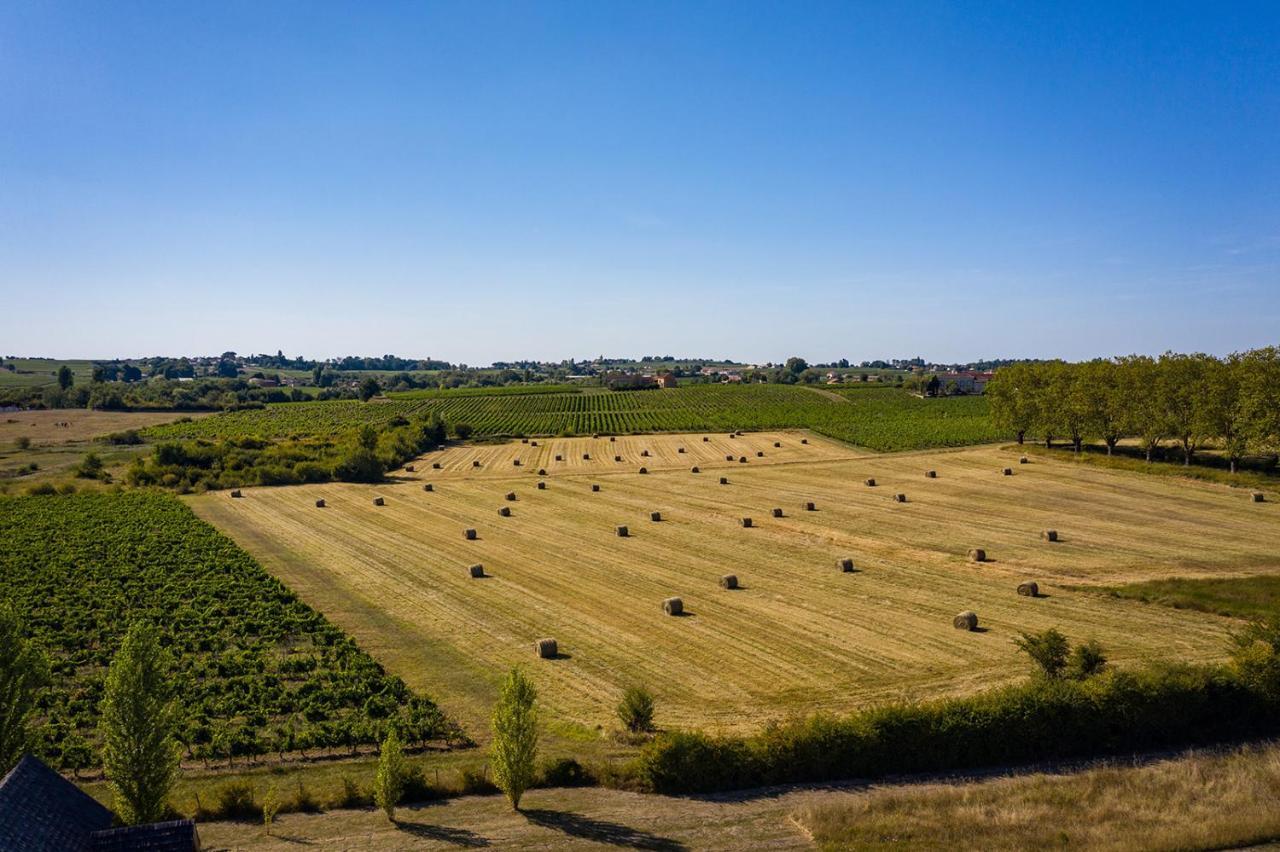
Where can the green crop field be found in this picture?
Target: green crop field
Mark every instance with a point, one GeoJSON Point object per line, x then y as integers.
{"type": "Point", "coordinates": [256, 669]}
{"type": "Point", "coordinates": [884, 419]}
{"type": "Point", "coordinates": [38, 372]}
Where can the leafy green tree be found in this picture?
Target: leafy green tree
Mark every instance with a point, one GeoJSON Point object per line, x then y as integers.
{"type": "Point", "coordinates": [369, 388]}
{"type": "Point", "coordinates": [635, 710]}
{"type": "Point", "coordinates": [515, 736]}
{"type": "Point", "coordinates": [1182, 390]}
{"type": "Point", "coordinates": [1014, 397]}
{"type": "Point", "coordinates": [24, 672]}
{"type": "Point", "coordinates": [1105, 404]}
{"type": "Point", "coordinates": [388, 784]}
{"type": "Point", "coordinates": [139, 725]}
{"type": "Point", "coordinates": [1048, 650]}
{"type": "Point", "coordinates": [796, 366]}
{"type": "Point", "coordinates": [1148, 418]}
{"type": "Point", "coordinates": [65, 377]}
{"type": "Point", "coordinates": [463, 431]}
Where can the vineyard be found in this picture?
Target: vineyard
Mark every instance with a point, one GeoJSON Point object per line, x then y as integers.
{"type": "Point", "coordinates": [881, 419]}
{"type": "Point", "coordinates": [256, 670]}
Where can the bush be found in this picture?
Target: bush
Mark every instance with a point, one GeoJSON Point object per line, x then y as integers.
{"type": "Point", "coordinates": [636, 710]}
{"type": "Point", "coordinates": [22, 442]}
{"type": "Point", "coordinates": [1086, 660]}
{"type": "Point", "coordinates": [1048, 650]}
{"type": "Point", "coordinates": [462, 431]}
{"type": "Point", "coordinates": [565, 772]}
{"type": "Point", "coordinates": [237, 800]}
{"type": "Point", "coordinates": [474, 782]}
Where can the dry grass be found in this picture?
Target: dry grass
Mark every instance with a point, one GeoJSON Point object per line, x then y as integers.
{"type": "Point", "coordinates": [797, 637]}
{"type": "Point", "coordinates": [1196, 801]}
{"type": "Point", "coordinates": [1202, 801]}
{"type": "Point", "coordinates": [82, 424]}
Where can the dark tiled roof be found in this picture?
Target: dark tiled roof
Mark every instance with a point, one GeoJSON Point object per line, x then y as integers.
{"type": "Point", "coordinates": [40, 810]}
{"type": "Point", "coordinates": [178, 835]}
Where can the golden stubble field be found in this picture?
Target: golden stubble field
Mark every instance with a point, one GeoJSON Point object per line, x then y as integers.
{"type": "Point", "coordinates": [800, 635]}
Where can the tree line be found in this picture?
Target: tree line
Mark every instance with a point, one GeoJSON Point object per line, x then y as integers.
{"type": "Point", "coordinates": [1181, 402]}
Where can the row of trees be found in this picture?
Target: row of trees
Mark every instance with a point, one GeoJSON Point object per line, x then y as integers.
{"type": "Point", "coordinates": [1185, 401]}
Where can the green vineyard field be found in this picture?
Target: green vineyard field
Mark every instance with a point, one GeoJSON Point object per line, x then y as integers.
{"type": "Point", "coordinates": [256, 670]}
{"type": "Point", "coordinates": [880, 419]}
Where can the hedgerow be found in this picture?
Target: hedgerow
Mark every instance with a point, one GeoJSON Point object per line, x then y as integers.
{"type": "Point", "coordinates": [1112, 713]}
{"type": "Point", "coordinates": [257, 671]}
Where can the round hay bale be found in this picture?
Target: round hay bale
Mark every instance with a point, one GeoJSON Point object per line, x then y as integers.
{"type": "Point", "coordinates": [542, 471]}
{"type": "Point", "coordinates": [673, 606]}
{"type": "Point", "coordinates": [731, 435]}
{"type": "Point", "coordinates": [617, 458]}
{"type": "Point", "coordinates": [655, 516]}
{"type": "Point", "coordinates": [804, 440]}
{"type": "Point", "coordinates": [746, 522]}
{"type": "Point", "coordinates": [546, 649]}
{"type": "Point", "coordinates": [869, 482]}
{"type": "Point", "coordinates": [777, 445]}
{"type": "Point", "coordinates": [1049, 535]}
{"type": "Point", "coordinates": [428, 487]}
{"type": "Point", "coordinates": [977, 554]}
{"type": "Point", "coordinates": [435, 465]}
{"type": "Point", "coordinates": [724, 480]}
{"type": "Point", "coordinates": [408, 468]}
{"type": "Point", "coordinates": [1029, 589]}
{"type": "Point", "coordinates": [319, 504]}
{"type": "Point", "coordinates": [515, 462]}
{"type": "Point", "coordinates": [378, 501]}
{"type": "Point", "coordinates": [705, 439]}
{"type": "Point", "coordinates": [967, 620]}
{"type": "Point", "coordinates": [759, 454]}
{"type": "Point", "coordinates": [899, 498]}
{"type": "Point", "coordinates": [1008, 471]}
{"type": "Point", "coordinates": [469, 534]}
{"type": "Point", "coordinates": [1258, 497]}
{"type": "Point", "coordinates": [612, 439]}
{"type": "Point", "coordinates": [679, 449]}
{"type": "Point", "coordinates": [1024, 460]}
{"type": "Point", "coordinates": [505, 511]}
{"type": "Point", "coordinates": [622, 531]}
{"type": "Point", "coordinates": [845, 565]}
{"type": "Point", "coordinates": [694, 469]}
{"type": "Point", "coordinates": [475, 463]}
{"type": "Point", "coordinates": [595, 487]}
{"type": "Point", "coordinates": [511, 495]}
{"type": "Point", "coordinates": [644, 470]}
{"type": "Point", "coordinates": [524, 440]}
{"type": "Point", "coordinates": [930, 474]}
{"type": "Point", "coordinates": [236, 493]}
{"type": "Point", "coordinates": [559, 457]}
{"type": "Point", "coordinates": [777, 513]}
{"type": "Point", "coordinates": [542, 486]}
{"type": "Point", "coordinates": [728, 457]}
{"type": "Point", "coordinates": [586, 456]}
{"type": "Point", "coordinates": [644, 453]}
{"type": "Point", "coordinates": [742, 459]}
{"type": "Point", "coordinates": [476, 571]}
{"type": "Point", "coordinates": [809, 507]}
{"type": "Point", "coordinates": [595, 435]}
{"type": "Point", "coordinates": [533, 443]}
{"type": "Point", "coordinates": [729, 581]}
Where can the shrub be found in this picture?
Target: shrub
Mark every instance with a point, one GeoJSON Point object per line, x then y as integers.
{"type": "Point", "coordinates": [1087, 660]}
{"type": "Point", "coordinates": [565, 772]}
{"type": "Point", "coordinates": [237, 800]}
{"type": "Point", "coordinates": [474, 782]}
{"type": "Point", "coordinates": [635, 711]}
{"type": "Point", "coordinates": [1048, 650]}
{"type": "Point", "coordinates": [462, 431]}
{"type": "Point", "coordinates": [22, 442]}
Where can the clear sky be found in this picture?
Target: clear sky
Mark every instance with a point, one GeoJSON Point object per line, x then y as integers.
{"type": "Point", "coordinates": [477, 181]}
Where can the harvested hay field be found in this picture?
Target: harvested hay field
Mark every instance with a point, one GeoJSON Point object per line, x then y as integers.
{"type": "Point", "coordinates": [796, 636]}
{"type": "Point", "coordinates": [69, 425]}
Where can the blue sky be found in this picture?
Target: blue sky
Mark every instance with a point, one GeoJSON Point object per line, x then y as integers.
{"type": "Point", "coordinates": [479, 181]}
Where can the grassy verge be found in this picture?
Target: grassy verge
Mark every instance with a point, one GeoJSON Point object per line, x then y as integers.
{"type": "Point", "coordinates": [1197, 801]}
{"type": "Point", "coordinates": [1237, 597]}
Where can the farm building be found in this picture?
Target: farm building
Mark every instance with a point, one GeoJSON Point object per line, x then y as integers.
{"type": "Point", "coordinates": [667, 380]}
{"type": "Point", "coordinates": [966, 381]}
{"type": "Point", "coordinates": [39, 809]}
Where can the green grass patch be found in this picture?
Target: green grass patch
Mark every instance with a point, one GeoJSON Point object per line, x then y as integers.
{"type": "Point", "coordinates": [1237, 597]}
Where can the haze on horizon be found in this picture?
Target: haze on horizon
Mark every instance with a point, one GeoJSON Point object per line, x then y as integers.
{"type": "Point", "coordinates": [491, 181]}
